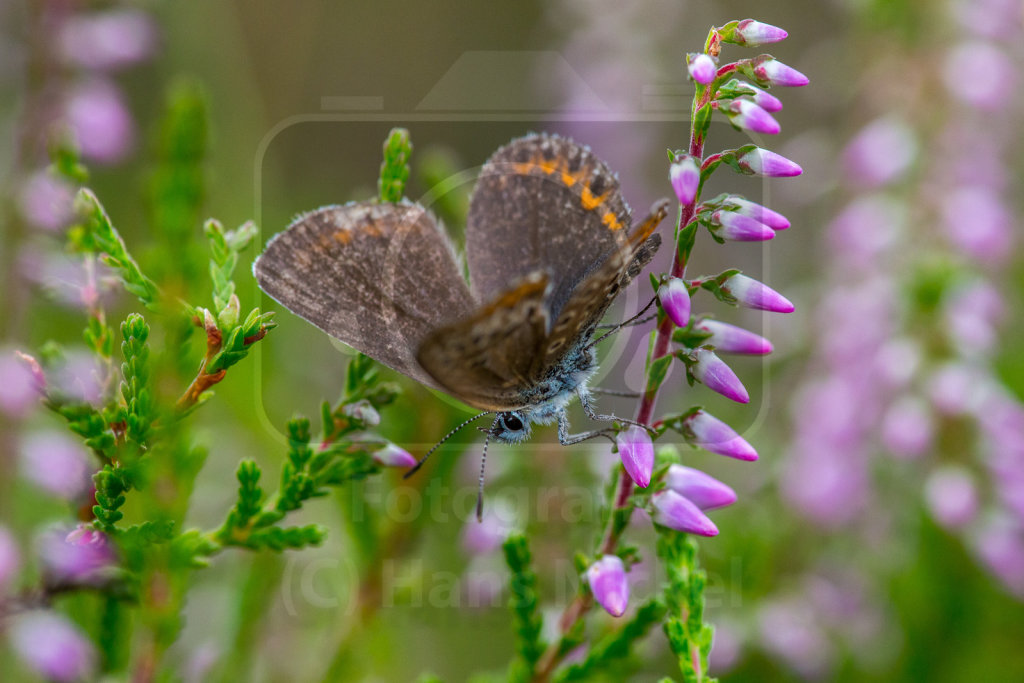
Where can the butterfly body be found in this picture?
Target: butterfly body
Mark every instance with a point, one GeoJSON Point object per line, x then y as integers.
{"type": "Point", "coordinates": [549, 245]}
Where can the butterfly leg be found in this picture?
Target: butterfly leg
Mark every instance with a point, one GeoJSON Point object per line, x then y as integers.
{"type": "Point", "coordinates": [614, 392]}
{"type": "Point", "coordinates": [567, 439]}
{"type": "Point", "coordinates": [588, 408]}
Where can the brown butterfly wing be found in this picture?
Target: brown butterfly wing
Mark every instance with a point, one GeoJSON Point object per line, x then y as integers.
{"type": "Point", "coordinates": [590, 300]}
{"type": "Point", "coordinates": [485, 359]}
{"type": "Point", "coordinates": [379, 277]}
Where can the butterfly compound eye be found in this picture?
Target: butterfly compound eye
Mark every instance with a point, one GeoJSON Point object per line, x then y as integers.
{"type": "Point", "coordinates": [511, 422]}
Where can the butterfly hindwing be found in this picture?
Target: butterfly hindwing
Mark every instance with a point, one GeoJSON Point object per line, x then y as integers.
{"type": "Point", "coordinates": [378, 276]}
{"type": "Point", "coordinates": [485, 359]}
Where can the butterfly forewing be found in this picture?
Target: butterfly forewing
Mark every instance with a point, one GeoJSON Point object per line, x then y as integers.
{"type": "Point", "coordinates": [379, 277]}
{"type": "Point", "coordinates": [542, 203]}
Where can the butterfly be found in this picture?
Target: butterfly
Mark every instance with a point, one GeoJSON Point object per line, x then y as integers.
{"type": "Point", "coordinates": [549, 245]}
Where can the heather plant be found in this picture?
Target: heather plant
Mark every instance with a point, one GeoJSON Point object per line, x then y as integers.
{"type": "Point", "coordinates": [165, 328]}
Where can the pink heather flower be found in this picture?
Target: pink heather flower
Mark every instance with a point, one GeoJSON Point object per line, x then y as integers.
{"type": "Point", "coordinates": [864, 229]}
{"type": "Point", "coordinates": [712, 372]}
{"type": "Point", "coordinates": [80, 557]}
{"type": "Point", "coordinates": [677, 512]}
{"type": "Point", "coordinates": [107, 40]}
{"type": "Point", "coordinates": [789, 630]}
{"type": "Point", "coordinates": [728, 338]}
{"type": "Point", "coordinates": [487, 535]}
{"type": "Point", "coordinates": [711, 434]}
{"type": "Point", "coordinates": [19, 388]}
{"type": "Point", "coordinates": [762, 214]}
{"type": "Point", "coordinates": [977, 221]}
{"type": "Point", "coordinates": [53, 647]}
{"type": "Point", "coordinates": [951, 496]}
{"type": "Point", "coordinates": [393, 456]}
{"type": "Point", "coordinates": [880, 153]}
{"type": "Point", "coordinates": [362, 411]}
{"type": "Point", "coordinates": [956, 388]}
{"type": "Point", "coordinates": [47, 201]}
{"type": "Point", "coordinates": [749, 116]}
{"type": "Point", "coordinates": [989, 18]}
{"type": "Point", "coordinates": [766, 163]}
{"type": "Point", "coordinates": [608, 583]}
{"type": "Point", "coordinates": [637, 452]}
{"type": "Point", "coordinates": [10, 559]}
{"type": "Point", "coordinates": [56, 463]}
{"type": "Point", "coordinates": [774, 72]}
{"type": "Point", "coordinates": [980, 74]}
{"type": "Point", "coordinates": [699, 488]}
{"type": "Point", "coordinates": [907, 428]}
{"type": "Point", "coordinates": [750, 293]}
{"type": "Point", "coordinates": [753, 33]}
{"type": "Point", "coordinates": [726, 648]}
{"type": "Point", "coordinates": [685, 177]}
{"type": "Point", "coordinates": [765, 99]}
{"type": "Point", "coordinates": [732, 225]}
{"type": "Point", "coordinates": [100, 120]}
{"type": "Point", "coordinates": [675, 299]}
{"type": "Point", "coordinates": [701, 67]}
{"type": "Point", "coordinates": [973, 314]}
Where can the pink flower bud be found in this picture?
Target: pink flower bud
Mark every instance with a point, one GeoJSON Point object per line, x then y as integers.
{"type": "Point", "coordinates": [677, 512]}
{"type": "Point", "coordinates": [763, 162]}
{"type": "Point", "coordinates": [728, 338]}
{"type": "Point", "coordinates": [53, 647]}
{"type": "Point", "coordinates": [101, 122]}
{"type": "Point", "coordinates": [637, 452]}
{"type": "Point", "coordinates": [699, 488]}
{"type": "Point", "coordinates": [774, 72]}
{"type": "Point", "coordinates": [701, 67]}
{"type": "Point", "coordinates": [363, 411]}
{"type": "Point", "coordinates": [708, 432]}
{"type": "Point", "coordinates": [712, 372]}
{"type": "Point", "coordinates": [750, 293]}
{"type": "Point", "coordinates": [675, 299]}
{"type": "Point", "coordinates": [81, 557]}
{"type": "Point", "coordinates": [107, 40]}
{"type": "Point", "coordinates": [753, 33]}
{"type": "Point", "coordinates": [487, 535]}
{"type": "Point", "coordinates": [393, 456]}
{"type": "Point", "coordinates": [748, 115]}
{"type": "Point", "coordinates": [19, 386]}
{"type": "Point", "coordinates": [685, 178]}
{"type": "Point", "coordinates": [56, 463]}
{"type": "Point", "coordinates": [907, 428]}
{"type": "Point", "coordinates": [608, 583]}
{"type": "Point", "coordinates": [762, 214]}
{"type": "Point", "coordinates": [732, 225]}
{"type": "Point", "coordinates": [47, 201]}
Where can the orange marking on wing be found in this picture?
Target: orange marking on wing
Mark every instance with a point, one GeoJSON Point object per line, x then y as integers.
{"type": "Point", "coordinates": [568, 179]}
{"type": "Point", "coordinates": [342, 236]}
{"type": "Point", "coordinates": [588, 199]}
{"type": "Point", "coordinates": [611, 220]}
{"type": "Point", "coordinates": [549, 166]}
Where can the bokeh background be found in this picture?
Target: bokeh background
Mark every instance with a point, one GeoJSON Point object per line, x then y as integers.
{"type": "Point", "coordinates": [881, 534]}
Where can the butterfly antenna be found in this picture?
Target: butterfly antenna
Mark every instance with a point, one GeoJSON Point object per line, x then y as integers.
{"type": "Point", "coordinates": [623, 324]}
{"type": "Point", "coordinates": [418, 465]}
{"type": "Point", "coordinates": [480, 485]}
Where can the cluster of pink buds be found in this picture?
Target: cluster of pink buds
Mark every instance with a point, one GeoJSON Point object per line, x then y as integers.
{"type": "Point", "coordinates": [681, 496]}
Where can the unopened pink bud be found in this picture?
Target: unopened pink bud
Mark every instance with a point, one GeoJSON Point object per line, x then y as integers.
{"type": "Point", "coordinates": [675, 299]}
{"type": "Point", "coordinates": [750, 293]}
{"type": "Point", "coordinates": [748, 115]}
{"type": "Point", "coordinates": [728, 338]}
{"type": "Point", "coordinates": [685, 178]}
{"type": "Point", "coordinates": [637, 452]}
{"type": "Point", "coordinates": [773, 219]}
{"type": "Point", "coordinates": [677, 512]}
{"type": "Point", "coordinates": [732, 225]}
{"type": "Point", "coordinates": [753, 33]}
{"type": "Point", "coordinates": [701, 67]}
{"type": "Point", "coordinates": [712, 372]}
{"type": "Point", "coordinates": [774, 72]}
{"type": "Point", "coordinates": [698, 487]}
{"type": "Point", "coordinates": [708, 432]}
{"type": "Point", "coordinates": [393, 456]}
{"type": "Point", "coordinates": [767, 163]}
{"type": "Point", "coordinates": [608, 583]}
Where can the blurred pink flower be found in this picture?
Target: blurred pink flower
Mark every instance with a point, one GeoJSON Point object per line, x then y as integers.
{"type": "Point", "coordinates": [789, 630]}
{"type": "Point", "coordinates": [951, 496]}
{"type": "Point", "coordinates": [56, 463]}
{"type": "Point", "coordinates": [976, 219]}
{"type": "Point", "coordinates": [980, 74]}
{"type": "Point", "coordinates": [908, 428]}
{"type": "Point", "coordinates": [19, 389]}
{"type": "Point", "coordinates": [1000, 545]}
{"type": "Point", "coordinates": [47, 201]}
{"type": "Point", "coordinates": [726, 648]}
{"type": "Point", "coordinates": [487, 535]}
{"type": "Point", "coordinates": [864, 230]}
{"type": "Point", "coordinates": [54, 647]}
{"type": "Point", "coordinates": [77, 557]}
{"type": "Point", "coordinates": [107, 40]}
{"type": "Point", "coordinates": [880, 153]}
{"type": "Point", "coordinates": [990, 18]}
{"type": "Point", "coordinates": [99, 118]}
